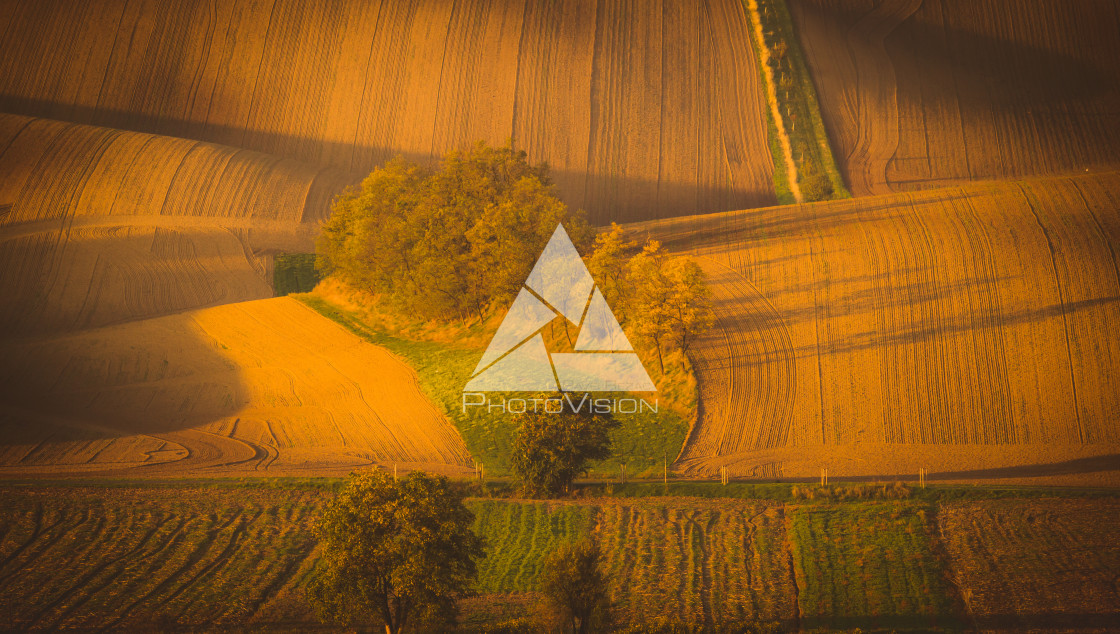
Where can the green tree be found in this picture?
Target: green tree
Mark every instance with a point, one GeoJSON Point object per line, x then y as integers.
{"type": "Point", "coordinates": [397, 551]}
{"type": "Point", "coordinates": [550, 450]}
{"type": "Point", "coordinates": [573, 582]}
{"type": "Point", "coordinates": [651, 314]}
{"type": "Point", "coordinates": [448, 241]}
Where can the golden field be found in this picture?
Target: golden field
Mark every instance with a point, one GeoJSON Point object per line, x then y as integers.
{"type": "Point", "coordinates": [100, 226]}
{"type": "Point", "coordinates": [255, 388]}
{"type": "Point", "coordinates": [960, 330]}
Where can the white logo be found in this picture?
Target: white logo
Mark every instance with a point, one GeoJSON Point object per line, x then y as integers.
{"type": "Point", "coordinates": [517, 359]}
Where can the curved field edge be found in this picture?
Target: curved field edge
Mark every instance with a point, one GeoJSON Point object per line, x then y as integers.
{"type": "Point", "coordinates": [182, 555]}
{"type": "Point", "coordinates": [960, 330]}
{"type": "Point", "coordinates": [643, 443]}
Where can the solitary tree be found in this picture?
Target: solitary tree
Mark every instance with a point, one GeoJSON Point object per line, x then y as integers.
{"type": "Point", "coordinates": [395, 551]}
{"type": "Point", "coordinates": [573, 582]}
{"type": "Point", "coordinates": [550, 450]}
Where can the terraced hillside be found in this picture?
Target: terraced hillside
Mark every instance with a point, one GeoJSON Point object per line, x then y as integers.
{"type": "Point", "coordinates": [265, 387]}
{"type": "Point", "coordinates": [918, 94]}
{"type": "Point", "coordinates": [967, 330]}
{"type": "Point", "coordinates": [99, 226]}
{"type": "Point", "coordinates": [643, 110]}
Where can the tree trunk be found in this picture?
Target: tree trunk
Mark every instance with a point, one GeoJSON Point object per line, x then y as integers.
{"type": "Point", "coordinates": [660, 360]}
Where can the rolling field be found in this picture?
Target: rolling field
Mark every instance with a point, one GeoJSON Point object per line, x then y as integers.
{"type": "Point", "coordinates": [965, 330]}
{"type": "Point", "coordinates": [643, 111]}
{"type": "Point", "coordinates": [99, 226]}
{"type": "Point", "coordinates": [264, 387]}
{"type": "Point", "coordinates": [922, 94]}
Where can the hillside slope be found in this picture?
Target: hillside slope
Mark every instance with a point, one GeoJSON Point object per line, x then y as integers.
{"type": "Point", "coordinates": [263, 387]}
{"type": "Point", "coordinates": [99, 226]}
{"type": "Point", "coordinates": [922, 94]}
{"type": "Point", "coordinates": [963, 330]}
{"type": "Point", "coordinates": [643, 111]}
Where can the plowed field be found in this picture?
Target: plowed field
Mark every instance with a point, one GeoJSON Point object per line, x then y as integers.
{"type": "Point", "coordinates": [968, 331]}
{"type": "Point", "coordinates": [99, 226]}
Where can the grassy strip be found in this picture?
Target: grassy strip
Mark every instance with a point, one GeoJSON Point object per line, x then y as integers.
{"type": "Point", "coordinates": [642, 443]}
{"type": "Point", "coordinates": [780, 175]}
{"type": "Point", "coordinates": [802, 494]}
{"type": "Point", "coordinates": [870, 564]}
{"type": "Point", "coordinates": [818, 175]}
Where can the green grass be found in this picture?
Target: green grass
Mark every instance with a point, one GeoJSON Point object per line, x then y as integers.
{"type": "Point", "coordinates": [780, 175]}
{"type": "Point", "coordinates": [871, 563]}
{"type": "Point", "coordinates": [641, 442]}
{"type": "Point", "coordinates": [519, 535]}
{"type": "Point", "coordinates": [294, 273]}
{"type": "Point", "coordinates": [797, 101]}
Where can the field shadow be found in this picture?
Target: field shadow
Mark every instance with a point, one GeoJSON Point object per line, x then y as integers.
{"type": "Point", "coordinates": [1092, 464]}
{"type": "Point", "coordinates": [984, 69]}
{"type": "Point", "coordinates": [62, 395]}
{"type": "Point", "coordinates": [607, 198]}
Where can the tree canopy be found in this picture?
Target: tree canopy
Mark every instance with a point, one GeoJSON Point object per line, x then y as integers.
{"type": "Point", "coordinates": [447, 241]}
{"type": "Point", "coordinates": [658, 298]}
{"type": "Point", "coordinates": [397, 551]}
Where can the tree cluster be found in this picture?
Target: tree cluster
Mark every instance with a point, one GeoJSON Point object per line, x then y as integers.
{"type": "Point", "coordinates": [656, 297]}
{"type": "Point", "coordinates": [447, 241]}
{"type": "Point", "coordinates": [550, 450]}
